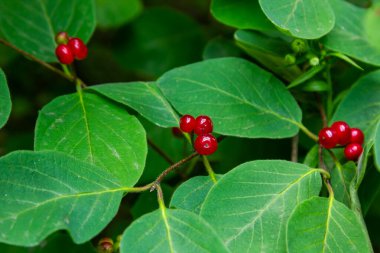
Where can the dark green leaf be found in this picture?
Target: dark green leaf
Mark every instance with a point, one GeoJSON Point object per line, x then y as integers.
{"type": "Point", "coordinates": [309, 19]}
{"type": "Point", "coordinates": [346, 59]}
{"type": "Point", "coordinates": [341, 178]}
{"type": "Point", "coordinates": [242, 99]}
{"type": "Point", "coordinates": [242, 14]}
{"type": "Point", "coordinates": [94, 129]}
{"type": "Point", "coordinates": [62, 243]}
{"type": "Point", "coordinates": [46, 191]}
{"type": "Point", "coordinates": [162, 39]}
{"type": "Point", "coordinates": [32, 25]}
{"type": "Point", "coordinates": [348, 36]}
{"type": "Point", "coordinates": [306, 75]}
{"type": "Point", "coordinates": [145, 98]}
{"type": "Point", "coordinates": [316, 86]}
{"type": "Point", "coordinates": [117, 12]}
{"type": "Point", "coordinates": [220, 47]}
{"type": "Point", "coordinates": [249, 206]}
{"type": "Point", "coordinates": [171, 231]}
{"type": "Point", "coordinates": [325, 225]}
{"type": "Point", "coordinates": [191, 194]}
{"type": "Point", "coordinates": [371, 22]}
{"type": "Point", "coordinates": [5, 100]}
{"type": "Point", "coordinates": [377, 145]}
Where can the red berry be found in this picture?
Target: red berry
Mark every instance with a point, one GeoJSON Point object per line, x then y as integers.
{"type": "Point", "coordinates": [343, 132]}
{"type": "Point", "coordinates": [64, 54]}
{"type": "Point", "coordinates": [328, 137]}
{"type": "Point", "coordinates": [203, 125]}
{"type": "Point", "coordinates": [105, 245]}
{"type": "Point", "coordinates": [187, 123]}
{"type": "Point", "coordinates": [357, 136]}
{"type": "Point", "coordinates": [353, 151]}
{"type": "Point", "coordinates": [78, 47]}
{"type": "Point", "coordinates": [61, 38]}
{"type": "Point", "coordinates": [205, 144]}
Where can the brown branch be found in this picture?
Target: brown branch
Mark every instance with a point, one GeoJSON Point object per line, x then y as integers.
{"type": "Point", "coordinates": [160, 151]}
{"type": "Point", "coordinates": [294, 154]}
{"type": "Point", "coordinates": [322, 111]}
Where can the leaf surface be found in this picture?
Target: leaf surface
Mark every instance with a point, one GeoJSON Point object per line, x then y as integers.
{"type": "Point", "coordinates": [32, 25]}
{"type": "Point", "coordinates": [325, 225]}
{"type": "Point", "coordinates": [47, 191]}
{"type": "Point", "coordinates": [171, 231]}
{"type": "Point", "coordinates": [95, 130]}
{"type": "Point", "coordinates": [249, 206]}
{"type": "Point", "coordinates": [5, 100]}
{"type": "Point", "coordinates": [116, 13]}
{"type": "Point", "coordinates": [145, 98]}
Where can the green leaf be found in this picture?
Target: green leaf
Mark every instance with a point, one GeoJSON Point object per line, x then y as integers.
{"type": "Point", "coordinates": [5, 248]}
{"type": "Point", "coordinates": [145, 98]}
{"type": "Point", "coordinates": [325, 225]}
{"type": "Point", "coordinates": [348, 36]}
{"type": "Point", "coordinates": [116, 13]}
{"type": "Point", "coordinates": [220, 47]}
{"type": "Point", "coordinates": [371, 22]}
{"type": "Point", "coordinates": [242, 14]}
{"type": "Point", "coordinates": [32, 25]}
{"type": "Point", "coordinates": [309, 19]}
{"type": "Point", "coordinates": [249, 206]}
{"type": "Point", "coordinates": [43, 192]}
{"type": "Point", "coordinates": [162, 39]}
{"type": "Point", "coordinates": [62, 243]}
{"type": "Point", "coordinates": [341, 178]}
{"type": "Point", "coordinates": [5, 100]}
{"type": "Point", "coordinates": [268, 51]}
{"type": "Point", "coordinates": [377, 145]}
{"type": "Point", "coordinates": [345, 58]}
{"type": "Point", "coordinates": [232, 90]}
{"type": "Point", "coordinates": [316, 86]}
{"type": "Point", "coordinates": [95, 130]}
{"type": "Point", "coordinates": [191, 194]}
{"type": "Point", "coordinates": [171, 231]}
{"type": "Point", "coordinates": [360, 108]}
{"type": "Point", "coordinates": [306, 75]}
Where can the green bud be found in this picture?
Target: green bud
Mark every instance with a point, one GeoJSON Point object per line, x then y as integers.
{"type": "Point", "coordinates": [290, 59]}
{"type": "Point", "coordinates": [62, 38]}
{"type": "Point", "coordinates": [299, 46]}
{"type": "Point", "coordinates": [105, 245]}
{"type": "Point", "coordinates": [314, 61]}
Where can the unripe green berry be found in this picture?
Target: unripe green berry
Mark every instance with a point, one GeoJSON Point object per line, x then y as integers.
{"type": "Point", "coordinates": [62, 38]}
{"type": "Point", "coordinates": [290, 59]}
{"type": "Point", "coordinates": [299, 46]}
{"type": "Point", "coordinates": [314, 61]}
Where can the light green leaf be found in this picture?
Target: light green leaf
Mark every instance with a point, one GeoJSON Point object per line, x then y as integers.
{"type": "Point", "coordinates": [306, 75]}
{"type": "Point", "coordinates": [325, 225]}
{"type": "Point", "coordinates": [242, 99]}
{"type": "Point", "coordinates": [5, 100]}
{"type": "Point", "coordinates": [171, 231]}
{"type": "Point", "coordinates": [32, 25]}
{"type": "Point", "coordinates": [111, 14]}
{"type": "Point", "coordinates": [162, 39]}
{"type": "Point", "coordinates": [377, 145]}
{"type": "Point", "coordinates": [270, 52]}
{"type": "Point", "coordinates": [348, 36]}
{"type": "Point", "coordinates": [308, 19]}
{"type": "Point", "coordinates": [145, 98]}
{"type": "Point", "coordinates": [249, 206]}
{"type": "Point", "coordinates": [360, 108]}
{"type": "Point", "coordinates": [42, 192]}
{"type": "Point", "coordinates": [242, 14]}
{"type": "Point", "coordinates": [95, 130]}
{"type": "Point", "coordinates": [371, 22]}
{"type": "Point", "coordinates": [345, 58]}
{"type": "Point", "coordinates": [341, 178]}
{"type": "Point", "coordinates": [191, 194]}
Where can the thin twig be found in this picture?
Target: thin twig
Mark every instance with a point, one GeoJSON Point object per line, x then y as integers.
{"type": "Point", "coordinates": [160, 151]}
{"type": "Point", "coordinates": [46, 65]}
{"type": "Point", "coordinates": [294, 154]}
{"type": "Point", "coordinates": [322, 111]}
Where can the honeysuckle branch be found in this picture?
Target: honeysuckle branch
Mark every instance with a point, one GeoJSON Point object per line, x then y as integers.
{"type": "Point", "coordinates": [71, 78]}
{"type": "Point", "coordinates": [294, 153]}
{"type": "Point", "coordinates": [323, 166]}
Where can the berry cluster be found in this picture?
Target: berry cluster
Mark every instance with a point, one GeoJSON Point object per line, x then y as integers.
{"type": "Point", "coordinates": [340, 133]}
{"type": "Point", "coordinates": [69, 48]}
{"type": "Point", "coordinates": [205, 143]}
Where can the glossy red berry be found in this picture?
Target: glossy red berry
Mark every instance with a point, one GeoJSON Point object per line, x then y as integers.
{"type": "Point", "coordinates": [353, 151]}
{"type": "Point", "coordinates": [205, 144]}
{"type": "Point", "coordinates": [203, 125]}
{"type": "Point", "coordinates": [328, 138]}
{"type": "Point", "coordinates": [357, 136]}
{"type": "Point", "coordinates": [62, 38]}
{"type": "Point", "coordinates": [64, 54]}
{"type": "Point", "coordinates": [78, 47]}
{"type": "Point", "coordinates": [343, 132]}
{"type": "Point", "coordinates": [187, 123]}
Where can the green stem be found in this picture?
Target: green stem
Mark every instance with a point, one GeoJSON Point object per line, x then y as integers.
{"type": "Point", "coordinates": [308, 132]}
{"type": "Point", "coordinates": [208, 168]}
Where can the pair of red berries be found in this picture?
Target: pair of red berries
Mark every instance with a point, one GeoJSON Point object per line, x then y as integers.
{"type": "Point", "coordinates": [205, 143]}
{"type": "Point", "coordinates": [340, 133]}
{"type": "Point", "coordinates": [69, 49]}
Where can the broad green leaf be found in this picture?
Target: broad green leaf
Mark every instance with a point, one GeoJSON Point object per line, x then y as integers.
{"type": "Point", "coordinates": [162, 39]}
{"type": "Point", "coordinates": [145, 98]}
{"type": "Point", "coordinates": [94, 129]}
{"type": "Point", "coordinates": [242, 99]}
{"type": "Point", "coordinates": [311, 158]}
{"type": "Point", "coordinates": [360, 108]}
{"type": "Point", "coordinates": [341, 178]}
{"type": "Point", "coordinates": [5, 248]}
{"type": "Point", "coordinates": [62, 243]}
{"type": "Point", "coordinates": [377, 145]}
{"type": "Point", "coordinates": [348, 36]}
{"type": "Point", "coordinates": [371, 22]}
{"type": "Point", "coordinates": [306, 76]}
{"type": "Point", "coordinates": [5, 100]}
{"type": "Point", "coordinates": [325, 225]}
{"type": "Point", "coordinates": [32, 25]}
{"type": "Point", "coordinates": [242, 14]}
{"type": "Point", "coordinates": [268, 51]}
{"type": "Point", "coordinates": [220, 47]}
{"type": "Point", "coordinates": [191, 194]}
{"type": "Point", "coordinates": [249, 206]}
{"type": "Point", "coordinates": [42, 192]}
{"type": "Point", "coordinates": [117, 12]}
{"type": "Point", "coordinates": [174, 231]}
{"type": "Point", "coordinates": [308, 19]}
